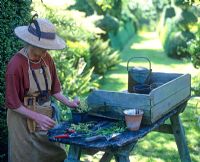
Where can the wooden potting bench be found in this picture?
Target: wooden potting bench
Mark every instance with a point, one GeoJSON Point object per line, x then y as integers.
{"type": "Point", "coordinates": [122, 145]}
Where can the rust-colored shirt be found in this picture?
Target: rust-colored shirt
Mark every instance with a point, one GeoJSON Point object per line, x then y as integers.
{"type": "Point", "coordinates": [17, 80]}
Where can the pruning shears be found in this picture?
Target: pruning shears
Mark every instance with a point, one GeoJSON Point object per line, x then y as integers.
{"type": "Point", "coordinates": [97, 137]}
{"type": "Point", "coordinates": [70, 133]}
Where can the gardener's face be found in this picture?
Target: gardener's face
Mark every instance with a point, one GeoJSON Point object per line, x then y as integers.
{"type": "Point", "coordinates": [38, 52]}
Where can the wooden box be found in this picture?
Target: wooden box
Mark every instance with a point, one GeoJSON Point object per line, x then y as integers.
{"type": "Point", "coordinates": [175, 89]}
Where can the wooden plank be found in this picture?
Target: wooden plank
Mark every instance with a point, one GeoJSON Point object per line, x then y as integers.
{"type": "Point", "coordinates": [122, 158]}
{"type": "Point", "coordinates": [178, 131]}
{"type": "Point", "coordinates": [107, 157]}
{"type": "Point", "coordinates": [122, 155]}
{"type": "Point", "coordinates": [165, 128]}
{"type": "Point", "coordinates": [164, 77]}
{"type": "Point", "coordinates": [170, 103]}
{"type": "Point", "coordinates": [74, 154]}
{"type": "Point", "coordinates": [118, 115]}
{"type": "Point", "coordinates": [88, 151]}
{"type": "Point", "coordinates": [161, 93]}
{"type": "Point", "coordinates": [99, 98]}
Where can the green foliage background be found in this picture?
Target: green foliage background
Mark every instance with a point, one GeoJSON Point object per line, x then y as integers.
{"type": "Point", "coordinates": [174, 28]}
{"type": "Point", "coordinates": [76, 70]}
{"type": "Point", "coordinates": [13, 13]}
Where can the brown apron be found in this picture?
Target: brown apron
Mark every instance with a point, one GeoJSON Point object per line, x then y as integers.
{"type": "Point", "coordinates": [32, 147]}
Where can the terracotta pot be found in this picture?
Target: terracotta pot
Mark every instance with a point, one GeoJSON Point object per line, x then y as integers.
{"type": "Point", "coordinates": [133, 118]}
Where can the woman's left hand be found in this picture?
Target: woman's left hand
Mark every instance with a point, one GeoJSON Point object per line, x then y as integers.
{"type": "Point", "coordinates": [74, 104]}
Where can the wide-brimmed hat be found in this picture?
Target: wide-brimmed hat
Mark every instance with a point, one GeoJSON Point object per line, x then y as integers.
{"type": "Point", "coordinates": [40, 33]}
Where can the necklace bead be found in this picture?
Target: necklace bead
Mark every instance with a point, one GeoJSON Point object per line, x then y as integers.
{"type": "Point", "coordinates": [26, 53]}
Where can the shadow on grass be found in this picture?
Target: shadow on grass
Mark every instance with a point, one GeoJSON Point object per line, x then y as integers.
{"type": "Point", "coordinates": [163, 146]}
{"type": "Point", "coordinates": [156, 56]}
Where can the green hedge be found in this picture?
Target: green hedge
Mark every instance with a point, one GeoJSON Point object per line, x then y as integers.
{"type": "Point", "coordinates": [123, 35]}
{"type": "Point", "coordinates": [13, 13]}
{"type": "Point", "coordinates": [174, 30]}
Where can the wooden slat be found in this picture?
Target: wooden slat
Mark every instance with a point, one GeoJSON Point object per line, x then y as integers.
{"type": "Point", "coordinates": [170, 88]}
{"type": "Point", "coordinates": [107, 157]}
{"type": "Point", "coordinates": [100, 98]}
{"type": "Point", "coordinates": [168, 104]}
{"type": "Point", "coordinates": [179, 135]}
{"type": "Point", "coordinates": [112, 114]}
{"type": "Point", "coordinates": [159, 77]}
{"type": "Point", "coordinates": [165, 128]}
{"type": "Point", "coordinates": [74, 154]}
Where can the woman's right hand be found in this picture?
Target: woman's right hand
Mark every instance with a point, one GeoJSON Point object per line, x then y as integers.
{"type": "Point", "coordinates": [44, 122]}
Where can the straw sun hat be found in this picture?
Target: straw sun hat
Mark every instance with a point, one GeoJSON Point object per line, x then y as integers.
{"type": "Point", "coordinates": [40, 33]}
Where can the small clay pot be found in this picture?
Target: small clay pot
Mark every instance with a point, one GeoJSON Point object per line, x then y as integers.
{"type": "Point", "coordinates": [133, 118]}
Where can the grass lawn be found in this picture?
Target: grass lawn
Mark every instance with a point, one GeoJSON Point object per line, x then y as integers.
{"type": "Point", "coordinates": [155, 147]}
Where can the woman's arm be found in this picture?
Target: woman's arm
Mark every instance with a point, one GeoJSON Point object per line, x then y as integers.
{"type": "Point", "coordinates": [44, 122]}
{"type": "Point", "coordinates": [60, 97]}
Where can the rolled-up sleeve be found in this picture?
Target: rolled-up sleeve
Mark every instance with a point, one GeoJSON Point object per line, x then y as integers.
{"type": "Point", "coordinates": [56, 86]}
{"type": "Point", "coordinates": [12, 92]}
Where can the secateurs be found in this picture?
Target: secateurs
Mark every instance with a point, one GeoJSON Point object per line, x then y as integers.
{"type": "Point", "coordinates": [70, 133]}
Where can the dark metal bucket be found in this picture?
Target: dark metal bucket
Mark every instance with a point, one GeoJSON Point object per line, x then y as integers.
{"type": "Point", "coordinates": [142, 89]}
{"type": "Point", "coordinates": [138, 75]}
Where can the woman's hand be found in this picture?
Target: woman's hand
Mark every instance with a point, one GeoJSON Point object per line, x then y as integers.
{"type": "Point", "coordinates": [72, 104]}
{"type": "Point", "coordinates": [44, 122]}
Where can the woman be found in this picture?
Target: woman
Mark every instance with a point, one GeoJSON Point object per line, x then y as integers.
{"type": "Point", "coordinates": [31, 80]}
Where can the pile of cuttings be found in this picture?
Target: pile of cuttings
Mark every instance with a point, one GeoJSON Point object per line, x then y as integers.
{"type": "Point", "coordinates": [101, 128]}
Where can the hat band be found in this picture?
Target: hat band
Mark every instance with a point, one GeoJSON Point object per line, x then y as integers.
{"type": "Point", "coordinates": [45, 35]}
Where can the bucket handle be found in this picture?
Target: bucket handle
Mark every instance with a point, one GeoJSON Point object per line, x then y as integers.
{"type": "Point", "coordinates": [139, 58]}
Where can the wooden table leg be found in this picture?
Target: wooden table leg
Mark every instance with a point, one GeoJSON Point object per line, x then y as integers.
{"type": "Point", "coordinates": [179, 134]}
{"type": "Point", "coordinates": [107, 157]}
{"type": "Point", "coordinates": [123, 154]}
{"type": "Point", "coordinates": [74, 154]}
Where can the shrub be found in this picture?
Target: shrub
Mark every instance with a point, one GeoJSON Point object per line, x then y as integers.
{"type": "Point", "coordinates": [174, 30]}
{"type": "Point", "coordinates": [13, 13]}
{"type": "Point", "coordinates": [194, 49]}
{"type": "Point", "coordinates": [82, 6]}
{"type": "Point", "coordinates": [108, 24]}
{"type": "Point", "coordinates": [75, 79]}
{"type": "Point", "coordinates": [102, 56]}
{"type": "Point", "coordinates": [176, 45]}
{"type": "Point", "coordinates": [196, 85]}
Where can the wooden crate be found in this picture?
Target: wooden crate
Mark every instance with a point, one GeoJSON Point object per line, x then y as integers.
{"type": "Point", "coordinates": [176, 88]}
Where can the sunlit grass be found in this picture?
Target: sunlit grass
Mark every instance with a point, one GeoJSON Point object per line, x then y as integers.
{"type": "Point", "coordinates": [145, 45]}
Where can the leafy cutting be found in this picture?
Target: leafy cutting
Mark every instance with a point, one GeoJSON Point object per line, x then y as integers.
{"type": "Point", "coordinates": [83, 106]}
{"type": "Point", "coordinates": [117, 127]}
{"type": "Point", "coordinates": [86, 128]}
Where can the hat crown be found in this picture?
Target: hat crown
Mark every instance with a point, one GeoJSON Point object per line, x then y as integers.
{"type": "Point", "coordinates": [40, 33]}
{"type": "Point", "coordinates": [45, 25]}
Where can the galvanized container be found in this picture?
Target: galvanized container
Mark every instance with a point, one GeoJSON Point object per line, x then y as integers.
{"type": "Point", "coordinates": [138, 75]}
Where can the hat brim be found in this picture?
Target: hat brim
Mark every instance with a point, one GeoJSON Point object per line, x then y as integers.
{"type": "Point", "coordinates": [22, 33]}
